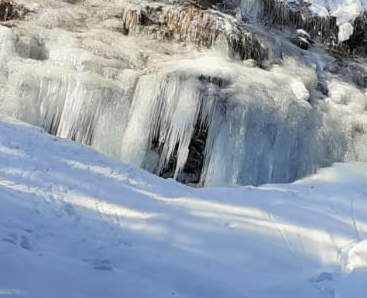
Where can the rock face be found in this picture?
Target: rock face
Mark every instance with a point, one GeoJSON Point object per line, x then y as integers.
{"type": "Point", "coordinates": [338, 26]}
{"type": "Point", "coordinates": [10, 10]}
{"type": "Point", "coordinates": [192, 23]}
{"type": "Point", "coordinates": [356, 45]}
{"type": "Point", "coordinates": [208, 93]}
{"type": "Point", "coordinates": [295, 14]}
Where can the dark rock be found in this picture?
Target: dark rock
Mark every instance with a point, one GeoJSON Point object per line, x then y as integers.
{"type": "Point", "coordinates": [220, 82]}
{"type": "Point", "coordinates": [322, 87]}
{"type": "Point", "coordinates": [31, 47]}
{"type": "Point", "coordinates": [205, 4]}
{"type": "Point", "coordinates": [195, 160]}
{"type": "Point", "coordinates": [301, 42]}
{"type": "Point", "coordinates": [72, 1]}
{"type": "Point", "coordinates": [356, 45]}
{"type": "Point", "coordinates": [195, 25]}
{"type": "Point", "coordinates": [297, 15]}
{"type": "Point", "coordinates": [192, 171]}
{"type": "Point", "coordinates": [10, 10]}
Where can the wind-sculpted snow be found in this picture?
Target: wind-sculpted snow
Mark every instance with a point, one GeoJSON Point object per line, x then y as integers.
{"type": "Point", "coordinates": [184, 91]}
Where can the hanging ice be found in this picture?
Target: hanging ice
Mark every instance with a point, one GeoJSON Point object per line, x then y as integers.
{"type": "Point", "coordinates": [215, 101]}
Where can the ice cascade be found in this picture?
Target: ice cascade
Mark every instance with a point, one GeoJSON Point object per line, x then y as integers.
{"type": "Point", "coordinates": [184, 91]}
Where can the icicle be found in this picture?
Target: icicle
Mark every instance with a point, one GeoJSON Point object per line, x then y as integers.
{"type": "Point", "coordinates": [131, 19]}
{"type": "Point", "coordinates": [188, 112]}
{"type": "Point", "coordinates": [251, 8]}
{"type": "Point", "coordinates": [142, 121]}
{"type": "Point", "coordinates": [267, 128]}
{"type": "Point", "coordinates": [7, 48]}
{"type": "Point", "coordinates": [112, 123]}
{"type": "Point", "coordinates": [181, 125]}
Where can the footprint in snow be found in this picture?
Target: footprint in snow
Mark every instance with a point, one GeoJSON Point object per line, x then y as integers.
{"type": "Point", "coordinates": [14, 238]}
{"type": "Point", "coordinates": [25, 243]}
{"type": "Point", "coordinates": [11, 238]}
{"type": "Point", "coordinates": [102, 264]}
{"type": "Point", "coordinates": [323, 282]}
{"type": "Point", "coordinates": [69, 209]}
{"type": "Point", "coordinates": [324, 276]}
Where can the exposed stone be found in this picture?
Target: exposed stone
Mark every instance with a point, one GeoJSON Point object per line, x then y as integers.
{"type": "Point", "coordinates": [195, 160]}
{"type": "Point", "coordinates": [298, 15]}
{"type": "Point", "coordinates": [10, 10]}
{"type": "Point", "coordinates": [192, 172]}
{"type": "Point", "coordinates": [356, 45]}
{"type": "Point", "coordinates": [303, 39]}
{"type": "Point", "coordinates": [31, 47]}
{"type": "Point", "coordinates": [301, 42]}
{"type": "Point", "coordinates": [193, 24]}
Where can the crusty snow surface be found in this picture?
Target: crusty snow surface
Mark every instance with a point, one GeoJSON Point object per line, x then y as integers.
{"type": "Point", "coordinates": [73, 223]}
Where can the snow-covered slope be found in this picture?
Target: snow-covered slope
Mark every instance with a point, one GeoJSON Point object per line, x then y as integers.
{"type": "Point", "coordinates": [165, 86]}
{"type": "Point", "coordinates": [75, 224]}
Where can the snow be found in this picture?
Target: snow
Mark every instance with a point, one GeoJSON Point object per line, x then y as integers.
{"type": "Point", "coordinates": [74, 223]}
{"type": "Point", "coordinates": [345, 11]}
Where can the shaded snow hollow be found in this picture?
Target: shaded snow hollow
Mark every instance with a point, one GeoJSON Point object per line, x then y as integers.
{"type": "Point", "coordinates": [75, 224]}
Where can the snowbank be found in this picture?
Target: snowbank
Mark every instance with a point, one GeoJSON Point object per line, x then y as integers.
{"type": "Point", "coordinates": [74, 224]}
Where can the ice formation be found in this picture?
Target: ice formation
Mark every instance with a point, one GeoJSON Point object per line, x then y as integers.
{"type": "Point", "coordinates": [333, 20]}
{"type": "Point", "coordinates": [204, 96]}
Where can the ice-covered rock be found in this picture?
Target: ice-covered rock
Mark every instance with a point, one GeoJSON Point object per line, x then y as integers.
{"type": "Point", "coordinates": [187, 91]}
{"type": "Point", "coordinates": [10, 10]}
{"type": "Point", "coordinates": [193, 24]}
{"type": "Point", "coordinates": [332, 22]}
{"type": "Point", "coordinates": [297, 14]}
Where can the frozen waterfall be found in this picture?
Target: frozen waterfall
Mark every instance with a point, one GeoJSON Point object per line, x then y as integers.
{"type": "Point", "coordinates": [186, 92]}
